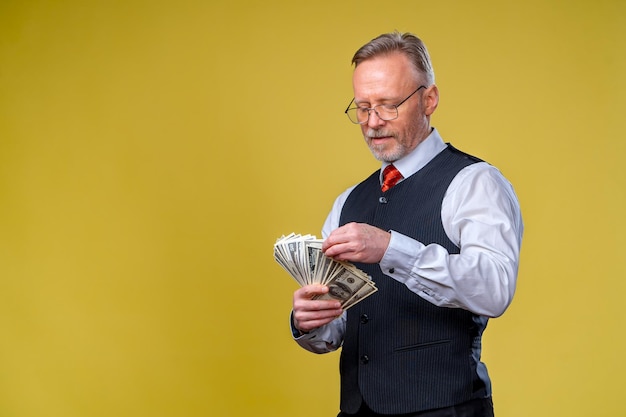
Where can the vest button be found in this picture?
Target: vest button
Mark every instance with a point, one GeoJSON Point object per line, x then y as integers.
{"type": "Point", "coordinates": [365, 359]}
{"type": "Point", "coordinates": [364, 318]}
{"type": "Point", "coordinates": [382, 200]}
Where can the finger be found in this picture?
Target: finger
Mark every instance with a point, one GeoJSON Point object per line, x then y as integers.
{"type": "Point", "coordinates": [335, 245]}
{"type": "Point", "coordinates": [341, 251]}
{"type": "Point", "coordinates": [310, 291]}
{"type": "Point", "coordinates": [307, 320]}
{"type": "Point", "coordinates": [308, 305]}
{"type": "Point", "coordinates": [338, 236]}
{"type": "Point", "coordinates": [313, 324]}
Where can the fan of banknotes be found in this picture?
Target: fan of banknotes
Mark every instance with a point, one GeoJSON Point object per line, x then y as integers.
{"type": "Point", "coordinates": [302, 257]}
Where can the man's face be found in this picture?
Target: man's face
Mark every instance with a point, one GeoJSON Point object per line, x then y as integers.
{"type": "Point", "coordinates": [389, 79]}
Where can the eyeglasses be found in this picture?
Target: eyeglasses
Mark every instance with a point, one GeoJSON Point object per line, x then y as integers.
{"type": "Point", "coordinates": [386, 112]}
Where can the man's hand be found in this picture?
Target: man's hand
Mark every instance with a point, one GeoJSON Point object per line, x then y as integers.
{"type": "Point", "coordinates": [310, 314]}
{"type": "Point", "coordinates": [357, 242]}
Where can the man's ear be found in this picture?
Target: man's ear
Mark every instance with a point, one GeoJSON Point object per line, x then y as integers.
{"type": "Point", "coordinates": [431, 100]}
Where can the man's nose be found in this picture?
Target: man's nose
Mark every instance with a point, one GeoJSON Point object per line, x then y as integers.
{"type": "Point", "coordinates": [374, 119]}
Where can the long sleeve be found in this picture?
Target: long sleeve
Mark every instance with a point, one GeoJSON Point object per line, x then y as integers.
{"type": "Point", "coordinates": [481, 215]}
{"type": "Point", "coordinates": [324, 339]}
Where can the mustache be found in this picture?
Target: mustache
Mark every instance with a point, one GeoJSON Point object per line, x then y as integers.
{"type": "Point", "coordinates": [374, 133]}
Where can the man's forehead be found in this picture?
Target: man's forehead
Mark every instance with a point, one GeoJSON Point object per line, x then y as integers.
{"type": "Point", "coordinates": [382, 78]}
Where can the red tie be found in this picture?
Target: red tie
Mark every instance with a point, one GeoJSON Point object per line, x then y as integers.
{"type": "Point", "coordinates": [391, 176]}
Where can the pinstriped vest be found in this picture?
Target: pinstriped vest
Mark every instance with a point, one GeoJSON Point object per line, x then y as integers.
{"type": "Point", "coordinates": [402, 354]}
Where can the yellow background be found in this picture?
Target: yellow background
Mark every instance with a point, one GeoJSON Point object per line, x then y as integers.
{"type": "Point", "coordinates": [136, 281]}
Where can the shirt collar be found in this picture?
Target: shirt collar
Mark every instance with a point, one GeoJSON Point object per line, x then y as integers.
{"type": "Point", "coordinates": [419, 157]}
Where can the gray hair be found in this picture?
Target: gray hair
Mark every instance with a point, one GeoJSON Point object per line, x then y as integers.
{"type": "Point", "coordinates": [406, 43]}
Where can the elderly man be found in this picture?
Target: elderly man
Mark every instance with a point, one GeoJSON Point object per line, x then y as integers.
{"type": "Point", "coordinates": [438, 230]}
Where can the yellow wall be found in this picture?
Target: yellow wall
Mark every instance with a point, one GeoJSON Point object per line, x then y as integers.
{"type": "Point", "coordinates": [136, 282]}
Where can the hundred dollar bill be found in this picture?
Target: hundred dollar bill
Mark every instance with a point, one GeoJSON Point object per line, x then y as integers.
{"type": "Point", "coordinates": [301, 256]}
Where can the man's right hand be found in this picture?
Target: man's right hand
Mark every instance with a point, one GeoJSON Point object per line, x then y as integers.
{"type": "Point", "coordinates": [309, 314]}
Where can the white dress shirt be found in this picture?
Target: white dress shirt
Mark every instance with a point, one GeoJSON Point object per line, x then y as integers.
{"type": "Point", "coordinates": [480, 214]}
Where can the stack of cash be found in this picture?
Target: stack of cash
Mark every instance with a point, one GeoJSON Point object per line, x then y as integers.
{"type": "Point", "coordinates": [302, 257]}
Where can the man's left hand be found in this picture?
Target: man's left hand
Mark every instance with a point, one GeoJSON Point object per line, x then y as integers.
{"type": "Point", "coordinates": [357, 242]}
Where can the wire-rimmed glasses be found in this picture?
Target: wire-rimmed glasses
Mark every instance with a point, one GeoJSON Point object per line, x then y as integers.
{"type": "Point", "coordinates": [386, 112]}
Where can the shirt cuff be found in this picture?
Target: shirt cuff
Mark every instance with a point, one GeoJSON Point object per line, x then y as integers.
{"type": "Point", "coordinates": [400, 256]}
{"type": "Point", "coordinates": [296, 333]}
